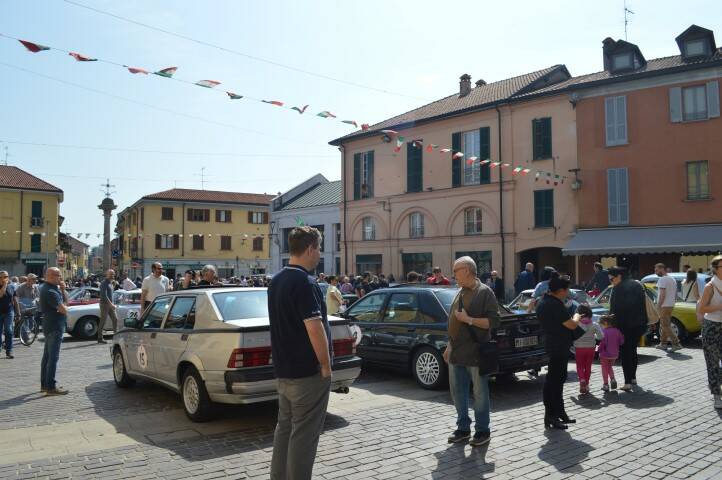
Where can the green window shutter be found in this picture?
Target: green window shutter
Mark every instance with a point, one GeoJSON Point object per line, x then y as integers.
{"type": "Point", "coordinates": [536, 139]}
{"type": "Point", "coordinates": [547, 129]}
{"type": "Point", "coordinates": [35, 243]}
{"type": "Point", "coordinates": [455, 162]}
{"type": "Point", "coordinates": [356, 176]}
{"type": "Point", "coordinates": [414, 172]}
{"type": "Point", "coordinates": [485, 153]}
{"type": "Point", "coordinates": [370, 160]}
{"type": "Point", "coordinates": [543, 208]}
{"type": "Point", "coordinates": [37, 209]}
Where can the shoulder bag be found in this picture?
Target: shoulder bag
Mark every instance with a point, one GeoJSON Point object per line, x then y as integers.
{"type": "Point", "coordinates": [488, 352]}
{"type": "Point", "coordinates": [651, 308]}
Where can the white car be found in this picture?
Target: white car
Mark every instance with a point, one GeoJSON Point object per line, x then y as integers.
{"type": "Point", "coordinates": [214, 345]}
{"type": "Point", "coordinates": [83, 319]}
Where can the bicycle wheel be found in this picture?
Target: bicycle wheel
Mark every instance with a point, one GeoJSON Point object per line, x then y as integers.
{"type": "Point", "coordinates": [28, 331]}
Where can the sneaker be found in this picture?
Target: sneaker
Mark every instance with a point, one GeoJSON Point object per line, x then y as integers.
{"type": "Point", "coordinates": [102, 341]}
{"type": "Point", "coordinates": [9, 355]}
{"type": "Point", "coordinates": [661, 346]}
{"type": "Point", "coordinates": [674, 348]}
{"type": "Point", "coordinates": [480, 438]}
{"type": "Point", "coordinates": [43, 389]}
{"type": "Point", "coordinates": [605, 387]}
{"type": "Point", "coordinates": [626, 387]}
{"type": "Point", "coordinates": [718, 402]}
{"type": "Point", "coordinates": [634, 381]}
{"type": "Point", "coordinates": [459, 436]}
{"type": "Point", "coordinates": [613, 384]}
{"type": "Point", "coordinates": [582, 387]}
{"type": "Point", "coordinates": [56, 391]}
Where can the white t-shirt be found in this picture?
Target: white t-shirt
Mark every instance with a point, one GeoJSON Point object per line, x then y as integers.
{"type": "Point", "coordinates": [154, 286]}
{"type": "Point", "coordinates": [669, 285]}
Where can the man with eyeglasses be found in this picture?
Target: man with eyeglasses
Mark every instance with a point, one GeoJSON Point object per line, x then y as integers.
{"type": "Point", "coordinates": [8, 310]}
{"type": "Point", "coordinates": [153, 285]}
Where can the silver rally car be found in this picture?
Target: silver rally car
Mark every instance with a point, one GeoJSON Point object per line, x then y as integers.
{"type": "Point", "coordinates": [214, 345]}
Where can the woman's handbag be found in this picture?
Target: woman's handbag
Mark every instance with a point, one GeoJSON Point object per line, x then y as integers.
{"type": "Point", "coordinates": [652, 312]}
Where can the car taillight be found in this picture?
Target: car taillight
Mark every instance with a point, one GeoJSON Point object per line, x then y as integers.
{"type": "Point", "coordinates": [344, 347]}
{"type": "Point", "coordinates": [250, 357]}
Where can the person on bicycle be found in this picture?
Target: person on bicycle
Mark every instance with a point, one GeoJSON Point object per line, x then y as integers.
{"type": "Point", "coordinates": [27, 292]}
{"type": "Point", "coordinates": [8, 310]}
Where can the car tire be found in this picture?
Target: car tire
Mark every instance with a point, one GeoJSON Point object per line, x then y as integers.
{"type": "Point", "coordinates": [196, 402]}
{"type": "Point", "coordinates": [429, 369]}
{"type": "Point", "coordinates": [679, 330]}
{"type": "Point", "coordinates": [86, 328]}
{"type": "Point", "coordinates": [120, 373]}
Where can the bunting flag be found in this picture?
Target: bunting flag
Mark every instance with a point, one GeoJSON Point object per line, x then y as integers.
{"type": "Point", "coordinates": [234, 96]}
{"type": "Point", "coordinates": [473, 159]}
{"type": "Point", "coordinates": [525, 171]}
{"type": "Point", "coordinates": [365, 126]}
{"type": "Point", "coordinates": [207, 83]}
{"type": "Point", "coordinates": [135, 70]}
{"type": "Point", "coordinates": [495, 164]}
{"type": "Point", "coordinates": [82, 58]}
{"type": "Point", "coordinates": [399, 142]}
{"type": "Point", "coordinates": [326, 114]}
{"type": "Point", "coordinates": [457, 155]}
{"type": "Point", "coordinates": [392, 133]}
{"type": "Point", "coordinates": [430, 147]}
{"type": "Point", "coordinates": [417, 144]}
{"type": "Point", "coordinates": [300, 110]}
{"type": "Point", "coordinates": [484, 162]}
{"type": "Point", "coordinates": [350, 122]}
{"type": "Point", "coordinates": [516, 170]}
{"type": "Point", "coordinates": [445, 150]}
{"type": "Point", "coordinates": [469, 161]}
{"type": "Point", "coordinates": [273, 102]}
{"type": "Point", "coordinates": [505, 165]}
{"type": "Point", "coordinates": [33, 47]}
{"type": "Point", "coordinates": [167, 72]}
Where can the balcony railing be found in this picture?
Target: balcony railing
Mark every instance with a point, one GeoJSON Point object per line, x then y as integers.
{"type": "Point", "coordinates": [36, 222]}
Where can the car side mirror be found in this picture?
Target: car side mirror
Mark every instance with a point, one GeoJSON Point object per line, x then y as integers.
{"type": "Point", "coordinates": [130, 322]}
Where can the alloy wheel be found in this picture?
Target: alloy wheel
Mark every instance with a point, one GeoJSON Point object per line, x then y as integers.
{"type": "Point", "coordinates": [191, 397]}
{"type": "Point", "coordinates": [427, 368]}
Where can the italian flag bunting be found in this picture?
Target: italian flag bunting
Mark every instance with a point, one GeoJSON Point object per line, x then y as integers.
{"type": "Point", "coordinates": [325, 114]}
{"type": "Point", "coordinates": [33, 47]}
{"type": "Point", "coordinates": [167, 72]}
{"type": "Point", "coordinates": [273, 102]}
{"type": "Point", "coordinates": [82, 58]}
{"type": "Point", "coordinates": [135, 70]}
{"type": "Point", "coordinates": [207, 83]}
{"type": "Point", "coordinates": [300, 110]}
{"type": "Point", "coordinates": [234, 96]}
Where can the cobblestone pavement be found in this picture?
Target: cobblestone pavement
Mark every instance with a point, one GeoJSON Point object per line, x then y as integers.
{"type": "Point", "coordinates": [385, 428]}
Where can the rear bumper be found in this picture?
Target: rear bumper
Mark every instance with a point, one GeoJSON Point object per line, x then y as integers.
{"type": "Point", "coordinates": [259, 384]}
{"type": "Point", "coordinates": [519, 362]}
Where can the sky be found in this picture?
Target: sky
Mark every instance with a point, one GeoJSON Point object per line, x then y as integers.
{"type": "Point", "coordinates": [367, 60]}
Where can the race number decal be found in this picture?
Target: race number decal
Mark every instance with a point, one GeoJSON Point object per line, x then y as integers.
{"type": "Point", "coordinates": [133, 314]}
{"type": "Point", "coordinates": [142, 357]}
{"type": "Point", "coordinates": [356, 334]}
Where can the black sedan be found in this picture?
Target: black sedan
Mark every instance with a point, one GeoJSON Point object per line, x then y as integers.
{"type": "Point", "coordinates": [405, 328]}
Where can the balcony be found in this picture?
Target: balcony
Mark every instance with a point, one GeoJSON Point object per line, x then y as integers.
{"type": "Point", "coordinates": [36, 222]}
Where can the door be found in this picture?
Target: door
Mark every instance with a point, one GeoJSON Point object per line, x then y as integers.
{"type": "Point", "coordinates": [365, 314]}
{"type": "Point", "coordinates": [170, 342]}
{"type": "Point", "coordinates": [396, 334]}
{"type": "Point", "coordinates": [140, 342]}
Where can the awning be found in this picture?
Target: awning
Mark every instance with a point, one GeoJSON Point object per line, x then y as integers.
{"type": "Point", "coordinates": [630, 240]}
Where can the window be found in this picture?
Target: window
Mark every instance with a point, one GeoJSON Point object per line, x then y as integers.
{"type": "Point", "coordinates": [156, 313]}
{"type": "Point", "coordinates": [482, 259]}
{"type": "Point", "coordinates": [694, 48]}
{"type": "Point", "coordinates": [36, 214]}
{"type": "Point", "coordinates": [166, 213]}
{"type": "Point", "coordinates": [694, 103]}
{"type": "Point", "coordinates": [698, 180]}
{"type": "Point", "coordinates": [414, 167]}
{"type": "Point", "coordinates": [182, 314]}
{"type": "Point", "coordinates": [618, 196]}
{"type": "Point", "coordinates": [337, 229]}
{"type": "Point", "coordinates": [223, 216]}
{"type": "Point", "coordinates": [257, 244]}
{"type": "Point", "coordinates": [368, 308]}
{"type": "Point", "coordinates": [258, 218]}
{"type": "Point", "coordinates": [198, 242]}
{"type": "Point", "coordinates": [542, 138]}
{"type": "Point", "coordinates": [416, 225]}
{"type": "Point", "coordinates": [543, 208]}
{"type": "Point", "coordinates": [470, 147]}
{"type": "Point", "coordinates": [142, 218]}
{"type": "Point", "coordinates": [369, 228]}
{"type": "Point", "coordinates": [402, 308]}
{"type": "Point", "coordinates": [369, 263]}
{"type": "Point", "coordinates": [622, 61]}
{"type": "Point", "coordinates": [134, 218]}
{"type": "Point", "coordinates": [472, 221]}
{"type": "Point", "coordinates": [284, 239]}
{"type": "Point", "coordinates": [199, 215]}
{"type": "Point", "coordinates": [242, 305]}
{"type": "Point", "coordinates": [363, 175]}
{"type": "Point", "coordinates": [166, 242]}
{"type": "Point", "coordinates": [225, 242]}
{"type": "Point", "coordinates": [418, 262]}
{"type": "Point", "coordinates": [615, 109]}
{"type": "Point", "coordinates": [35, 242]}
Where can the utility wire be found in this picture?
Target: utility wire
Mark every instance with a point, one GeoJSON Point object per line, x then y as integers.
{"type": "Point", "coordinates": [240, 54]}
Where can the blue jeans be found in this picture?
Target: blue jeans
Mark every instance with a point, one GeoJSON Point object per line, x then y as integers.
{"type": "Point", "coordinates": [460, 380]}
{"type": "Point", "coordinates": [51, 352]}
{"type": "Point", "coordinates": [7, 321]}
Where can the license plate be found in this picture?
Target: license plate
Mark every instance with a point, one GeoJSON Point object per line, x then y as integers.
{"type": "Point", "coordinates": [526, 342]}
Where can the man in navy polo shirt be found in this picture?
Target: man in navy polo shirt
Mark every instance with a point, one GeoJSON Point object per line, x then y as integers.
{"type": "Point", "coordinates": [302, 352]}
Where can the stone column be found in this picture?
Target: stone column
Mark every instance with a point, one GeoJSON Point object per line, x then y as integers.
{"type": "Point", "coordinates": [107, 206]}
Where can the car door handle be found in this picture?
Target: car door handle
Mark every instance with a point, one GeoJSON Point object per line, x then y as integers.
{"type": "Point", "coordinates": [184, 337]}
{"type": "Point", "coordinates": [152, 335]}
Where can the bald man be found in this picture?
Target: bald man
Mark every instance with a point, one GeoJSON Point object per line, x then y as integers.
{"type": "Point", "coordinates": [107, 308]}
{"type": "Point", "coordinates": [52, 304]}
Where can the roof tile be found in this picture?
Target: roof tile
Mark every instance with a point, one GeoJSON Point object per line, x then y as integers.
{"type": "Point", "coordinates": [211, 196]}
{"type": "Point", "coordinates": [15, 178]}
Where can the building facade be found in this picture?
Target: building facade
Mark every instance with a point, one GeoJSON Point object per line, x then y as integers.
{"type": "Point", "coordinates": [29, 222]}
{"type": "Point", "coordinates": [73, 257]}
{"type": "Point", "coordinates": [411, 204]}
{"type": "Point", "coordinates": [314, 202]}
{"type": "Point", "coordinates": [187, 229]}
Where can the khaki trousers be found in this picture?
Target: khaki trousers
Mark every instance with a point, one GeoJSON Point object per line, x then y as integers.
{"type": "Point", "coordinates": [106, 311]}
{"type": "Point", "coordinates": [666, 334]}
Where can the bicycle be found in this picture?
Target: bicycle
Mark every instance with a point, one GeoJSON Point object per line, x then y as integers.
{"type": "Point", "coordinates": [27, 325]}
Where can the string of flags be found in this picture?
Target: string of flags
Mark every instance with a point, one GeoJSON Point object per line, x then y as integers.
{"type": "Point", "coordinates": [169, 73]}
{"type": "Point", "coordinates": [81, 235]}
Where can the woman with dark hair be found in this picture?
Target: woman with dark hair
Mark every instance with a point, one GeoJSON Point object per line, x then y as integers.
{"type": "Point", "coordinates": [560, 331]}
{"type": "Point", "coordinates": [628, 306]}
{"type": "Point", "coordinates": [690, 287]}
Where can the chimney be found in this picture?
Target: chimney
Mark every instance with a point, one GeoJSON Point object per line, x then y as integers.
{"type": "Point", "coordinates": [464, 85]}
{"type": "Point", "coordinates": [480, 83]}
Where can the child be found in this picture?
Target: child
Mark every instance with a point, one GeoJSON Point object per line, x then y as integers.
{"type": "Point", "coordinates": [584, 346]}
{"type": "Point", "coordinates": [609, 349]}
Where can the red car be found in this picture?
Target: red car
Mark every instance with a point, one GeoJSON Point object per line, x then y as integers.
{"type": "Point", "coordinates": [84, 296]}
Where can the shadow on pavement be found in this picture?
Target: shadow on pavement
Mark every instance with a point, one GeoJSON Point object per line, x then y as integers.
{"type": "Point", "coordinates": [564, 452]}
{"type": "Point", "coordinates": [638, 398]}
{"type": "Point", "coordinates": [20, 400]}
{"type": "Point", "coordinates": [470, 460]}
{"type": "Point", "coordinates": [234, 429]}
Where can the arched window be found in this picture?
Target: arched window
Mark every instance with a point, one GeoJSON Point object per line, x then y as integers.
{"type": "Point", "coordinates": [369, 229]}
{"type": "Point", "coordinates": [416, 225]}
{"type": "Point", "coordinates": [472, 221]}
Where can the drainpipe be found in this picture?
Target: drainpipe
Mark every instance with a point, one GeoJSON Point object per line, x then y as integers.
{"type": "Point", "coordinates": [501, 196]}
{"type": "Point", "coordinates": [343, 182]}
{"type": "Point", "coordinates": [21, 225]}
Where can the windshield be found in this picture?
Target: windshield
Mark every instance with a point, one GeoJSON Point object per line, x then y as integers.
{"type": "Point", "coordinates": [580, 296]}
{"type": "Point", "coordinates": [241, 305]}
{"type": "Point", "coordinates": [446, 297]}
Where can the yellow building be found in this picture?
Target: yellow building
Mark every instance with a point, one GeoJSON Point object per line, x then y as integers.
{"type": "Point", "coordinates": [72, 257]}
{"type": "Point", "coordinates": [186, 229]}
{"type": "Point", "coordinates": [29, 222]}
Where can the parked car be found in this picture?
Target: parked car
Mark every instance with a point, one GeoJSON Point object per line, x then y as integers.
{"type": "Point", "coordinates": [679, 277]}
{"type": "Point", "coordinates": [405, 328]}
{"type": "Point", "coordinates": [520, 304]}
{"type": "Point", "coordinates": [684, 314]}
{"type": "Point", "coordinates": [84, 296]}
{"type": "Point", "coordinates": [83, 320]}
{"type": "Point", "coordinates": [214, 345]}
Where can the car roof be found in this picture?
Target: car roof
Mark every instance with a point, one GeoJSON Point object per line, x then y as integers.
{"type": "Point", "coordinates": [410, 287]}
{"type": "Point", "coordinates": [122, 290]}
